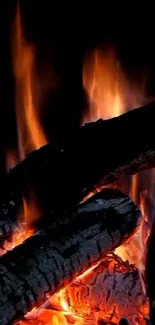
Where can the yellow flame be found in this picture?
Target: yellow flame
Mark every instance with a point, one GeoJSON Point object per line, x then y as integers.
{"type": "Point", "coordinates": [134, 187]}
{"type": "Point", "coordinates": [109, 90]}
{"type": "Point", "coordinates": [30, 132]}
{"type": "Point", "coordinates": [31, 211]}
{"type": "Point", "coordinates": [101, 82]}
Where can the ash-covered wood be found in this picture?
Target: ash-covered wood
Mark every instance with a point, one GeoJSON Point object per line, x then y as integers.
{"type": "Point", "coordinates": [111, 291]}
{"type": "Point", "coordinates": [54, 256]}
{"type": "Point", "coordinates": [101, 151]}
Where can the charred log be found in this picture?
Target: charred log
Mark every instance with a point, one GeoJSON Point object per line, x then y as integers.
{"type": "Point", "coordinates": [106, 199]}
{"type": "Point", "coordinates": [112, 290]}
{"type": "Point", "coordinates": [54, 256]}
{"type": "Point", "coordinates": [92, 154]}
{"type": "Point", "coordinates": [8, 228]}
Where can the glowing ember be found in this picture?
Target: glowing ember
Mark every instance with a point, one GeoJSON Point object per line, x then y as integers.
{"type": "Point", "coordinates": [28, 214]}
{"type": "Point", "coordinates": [30, 132]}
{"type": "Point", "coordinates": [110, 291]}
{"type": "Point", "coordinates": [16, 240]}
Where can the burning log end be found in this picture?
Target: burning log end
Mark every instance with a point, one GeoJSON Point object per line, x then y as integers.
{"type": "Point", "coordinates": [53, 257]}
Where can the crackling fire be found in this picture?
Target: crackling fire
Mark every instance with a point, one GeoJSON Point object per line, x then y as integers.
{"type": "Point", "coordinates": [115, 287]}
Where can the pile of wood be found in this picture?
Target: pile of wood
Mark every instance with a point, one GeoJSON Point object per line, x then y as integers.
{"type": "Point", "coordinates": [71, 236]}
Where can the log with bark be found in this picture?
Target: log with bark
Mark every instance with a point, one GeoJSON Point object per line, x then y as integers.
{"type": "Point", "coordinates": [112, 290]}
{"type": "Point", "coordinates": [54, 256]}
{"type": "Point", "coordinates": [61, 176]}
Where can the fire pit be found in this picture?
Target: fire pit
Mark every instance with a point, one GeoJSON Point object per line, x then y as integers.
{"type": "Point", "coordinates": [75, 236]}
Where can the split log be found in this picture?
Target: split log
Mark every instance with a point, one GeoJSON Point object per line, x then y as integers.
{"type": "Point", "coordinates": [51, 258]}
{"type": "Point", "coordinates": [101, 151]}
{"type": "Point", "coordinates": [112, 290]}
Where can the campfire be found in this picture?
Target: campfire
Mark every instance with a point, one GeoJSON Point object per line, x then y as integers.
{"type": "Point", "coordinates": [75, 223]}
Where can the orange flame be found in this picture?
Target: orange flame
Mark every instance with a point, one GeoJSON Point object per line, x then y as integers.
{"type": "Point", "coordinates": [101, 83]}
{"type": "Point", "coordinates": [11, 160]}
{"type": "Point", "coordinates": [133, 251]}
{"type": "Point", "coordinates": [62, 316]}
{"type": "Point", "coordinates": [134, 188]}
{"type": "Point", "coordinates": [109, 91]}
{"type": "Point", "coordinates": [31, 211]}
{"type": "Point", "coordinates": [30, 132]}
{"type": "Point", "coordinates": [28, 214]}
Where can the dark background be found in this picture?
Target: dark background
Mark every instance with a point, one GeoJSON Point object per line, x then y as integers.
{"type": "Point", "coordinates": [62, 33]}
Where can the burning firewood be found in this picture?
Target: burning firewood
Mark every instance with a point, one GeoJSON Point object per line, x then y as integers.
{"type": "Point", "coordinates": [103, 295]}
{"type": "Point", "coordinates": [65, 219]}
{"type": "Point", "coordinates": [112, 290]}
{"type": "Point", "coordinates": [92, 154]}
{"type": "Point", "coordinates": [54, 256]}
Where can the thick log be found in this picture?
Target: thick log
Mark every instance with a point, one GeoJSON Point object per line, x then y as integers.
{"type": "Point", "coordinates": [57, 220]}
{"type": "Point", "coordinates": [101, 151]}
{"type": "Point", "coordinates": [111, 291]}
{"type": "Point", "coordinates": [53, 257]}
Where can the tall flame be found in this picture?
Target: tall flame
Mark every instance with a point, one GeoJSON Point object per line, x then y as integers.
{"type": "Point", "coordinates": [29, 129]}
{"type": "Point", "coordinates": [101, 83]}
{"type": "Point", "coordinates": [30, 132]}
{"type": "Point", "coordinates": [109, 90]}
{"type": "Point", "coordinates": [110, 94]}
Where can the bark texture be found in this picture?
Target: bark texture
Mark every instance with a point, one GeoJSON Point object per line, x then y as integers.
{"type": "Point", "coordinates": [56, 255]}
{"type": "Point", "coordinates": [62, 176]}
